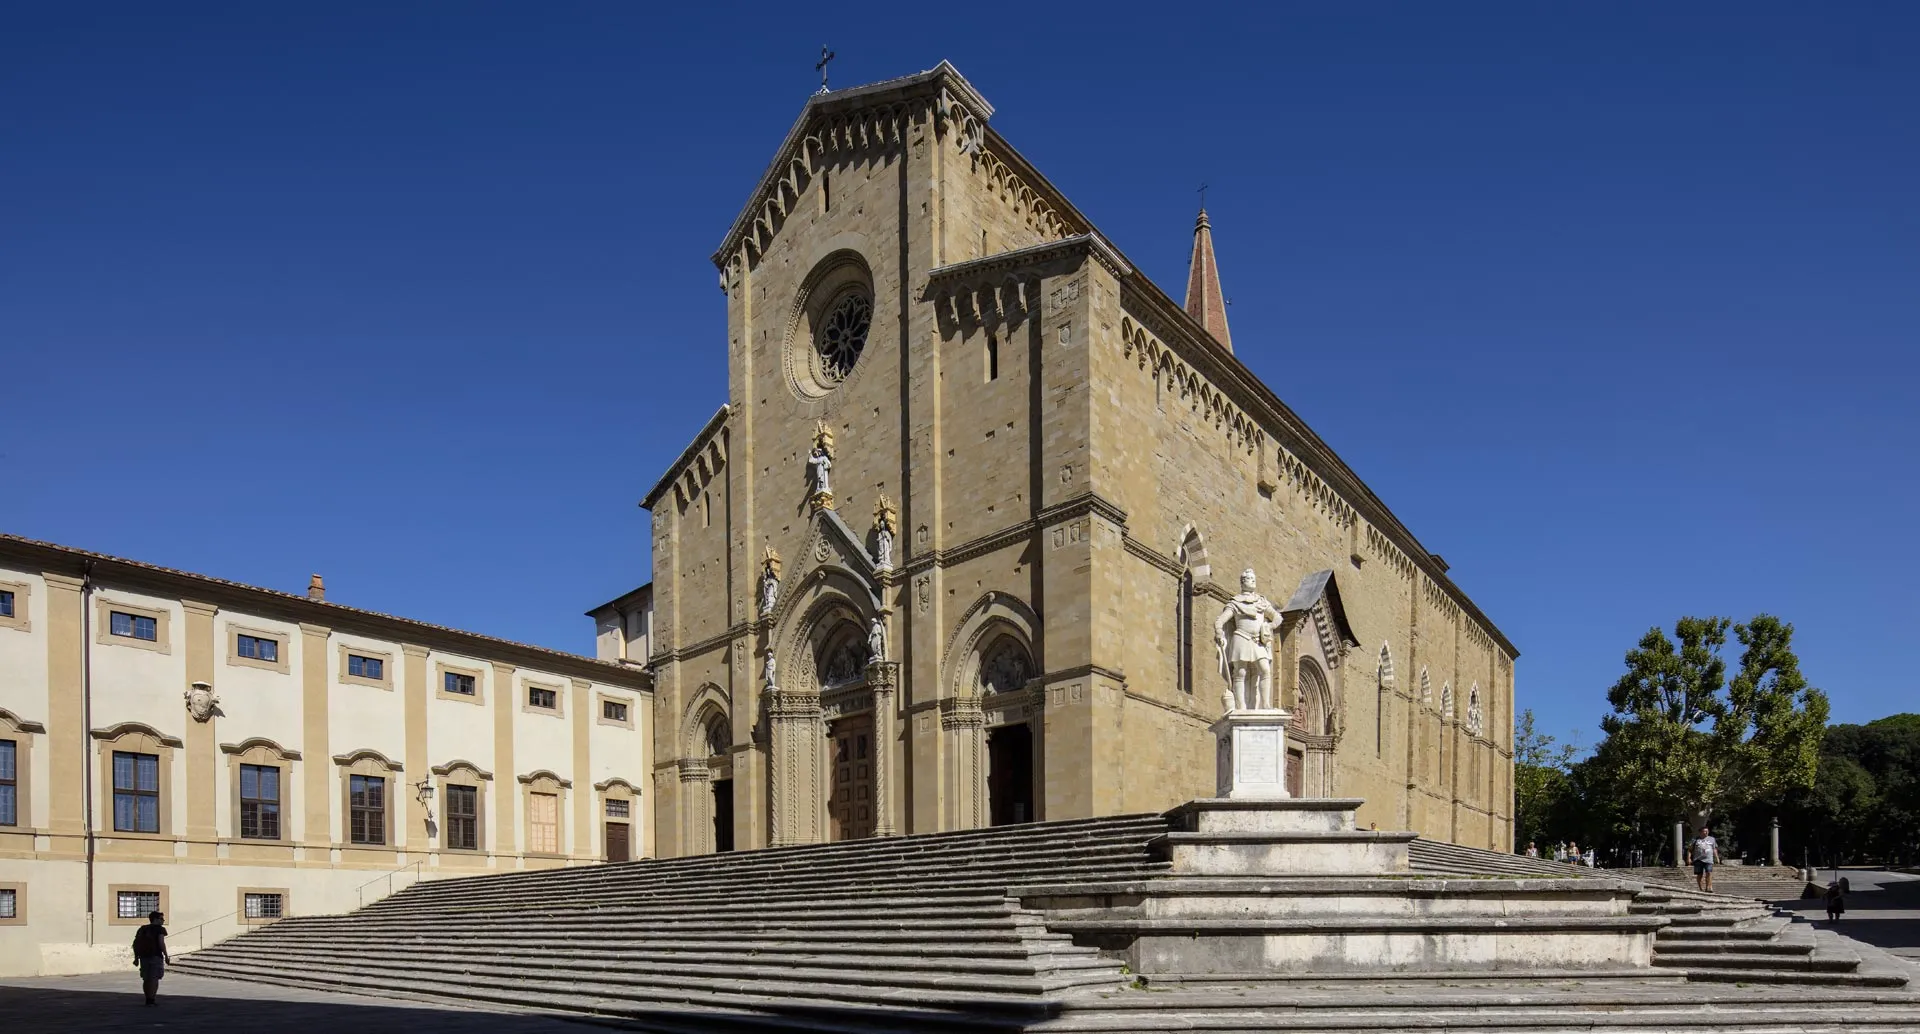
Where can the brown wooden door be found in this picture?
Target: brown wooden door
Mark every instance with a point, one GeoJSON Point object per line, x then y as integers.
{"type": "Point", "coordinates": [618, 849]}
{"type": "Point", "coordinates": [851, 809]}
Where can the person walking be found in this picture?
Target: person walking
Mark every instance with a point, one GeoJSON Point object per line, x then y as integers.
{"type": "Point", "coordinates": [1704, 853]}
{"type": "Point", "coordinates": [1836, 900]}
{"type": "Point", "coordinates": [150, 954]}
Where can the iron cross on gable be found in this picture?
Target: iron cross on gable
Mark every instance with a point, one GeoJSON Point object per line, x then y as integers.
{"type": "Point", "coordinates": [821, 67]}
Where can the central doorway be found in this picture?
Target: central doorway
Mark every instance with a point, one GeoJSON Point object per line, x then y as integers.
{"type": "Point", "coordinates": [723, 814]}
{"type": "Point", "coordinates": [1010, 775]}
{"type": "Point", "coordinates": [850, 812]}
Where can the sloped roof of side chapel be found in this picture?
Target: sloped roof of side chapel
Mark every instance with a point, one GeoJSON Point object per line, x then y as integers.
{"type": "Point", "coordinates": [959, 101]}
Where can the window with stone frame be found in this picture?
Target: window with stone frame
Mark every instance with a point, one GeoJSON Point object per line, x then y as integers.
{"type": "Point", "coordinates": [366, 809]}
{"type": "Point", "coordinates": [618, 809]}
{"type": "Point", "coordinates": [542, 698]}
{"type": "Point", "coordinates": [9, 783]}
{"type": "Point", "coordinates": [9, 903]}
{"type": "Point", "coordinates": [136, 792]}
{"type": "Point", "coordinates": [260, 802]}
{"type": "Point", "coordinates": [264, 905]}
{"type": "Point", "coordinates": [136, 904]}
{"type": "Point", "coordinates": [463, 818]}
{"type": "Point", "coordinates": [613, 710]}
{"type": "Point", "coordinates": [543, 823]}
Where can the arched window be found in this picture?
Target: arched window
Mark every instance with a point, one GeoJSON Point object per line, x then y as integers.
{"type": "Point", "coordinates": [1193, 565]}
{"type": "Point", "coordinates": [1005, 667]}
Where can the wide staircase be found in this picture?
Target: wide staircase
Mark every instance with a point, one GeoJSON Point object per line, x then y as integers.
{"type": "Point", "coordinates": [861, 935]}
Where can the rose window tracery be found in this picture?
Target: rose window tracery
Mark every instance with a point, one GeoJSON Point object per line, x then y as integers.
{"type": "Point", "coordinates": [843, 335]}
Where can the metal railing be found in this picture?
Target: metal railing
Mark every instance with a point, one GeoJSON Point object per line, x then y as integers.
{"type": "Point", "coordinates": [244, 921]}
{"type": "Point", "coordinates": [361, 891]}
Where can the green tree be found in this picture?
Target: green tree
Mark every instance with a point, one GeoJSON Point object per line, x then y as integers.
{"type": "Point", "coordinates": [1539, 779]}
{"type": "Point", "coordinates": [1685, 742]}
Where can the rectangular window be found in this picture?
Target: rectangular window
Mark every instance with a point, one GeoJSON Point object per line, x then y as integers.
{"type": "Point", "coordinates": [367, 809]}
{"type": "Point", "coordinates": [463, 818]}
{"type": "Point", "coordinates": [617, 809]}
{"type": "Point", "coordinates": [366, 667]}
{"type": "Point", "coordinates": [136, 793]}
{"type": "Point", "coordinates": [136, 904]}
{"type": "Point", "coordinates": [264, 906]}
{"type": "Point", "coordinates": [543, 820]}
{"type": "Point", "coordinates": [134, 626]}
{"type": "Point", "coordinates": [258, 648]}
{"type": "Point", "coordinates": [9, 784]}
{"type": "Point", "coordinates": [993, 358]}
{"type": "Point", "coordinates": [613, 710]}
{"type": "Point", "coordinates": [545, 699]}
{"type": "Point", "coordinates": [6, 603]}
{"type": "Point", "coordinates": [458, 683]}
{"type": "Point", "coordinates": [260, 802]}
{"type": "Point", "coordinates": [9, 903]}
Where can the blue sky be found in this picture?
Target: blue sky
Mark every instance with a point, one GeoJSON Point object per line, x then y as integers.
{"type": "Point", "coordinates": [1615, 305]}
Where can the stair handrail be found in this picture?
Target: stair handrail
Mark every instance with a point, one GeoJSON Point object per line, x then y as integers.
{"type": "Point", "coordinates": [200, 940]}
{"type": "Point", "coordinates": [360, 892]}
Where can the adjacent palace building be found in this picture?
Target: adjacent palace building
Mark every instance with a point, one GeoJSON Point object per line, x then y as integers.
{"type": "Point", "coordinates": [952, 553]}
{"type": "Point", "coordinates": [229, 755]}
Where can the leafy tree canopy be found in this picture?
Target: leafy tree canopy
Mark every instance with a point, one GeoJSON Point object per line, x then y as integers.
{"type": "Point", "coordinates": [1685, 741]}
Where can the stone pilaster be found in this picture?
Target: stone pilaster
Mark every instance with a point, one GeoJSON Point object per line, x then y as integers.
{"type": "Point", "coordinates": [799, 739]}
{"type": "Point", "coordinates": [202, 752]}
{"type": "Point", "coordinates": [696, 807]}
{"type": "Point", "coordinates": [964, 726]}
{"type": "Point", "coordinates": [882, 679]}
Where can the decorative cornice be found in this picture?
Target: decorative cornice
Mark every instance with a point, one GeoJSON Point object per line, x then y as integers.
{"type": "Point", "coordinates": [259, 741]}
{"type": "Point", "coordinates": [998, 267]}
{"type": "Point", "coordinates": [354, 756]}
{"type": "Point", "coordinates": [446, 769]}
{"type": "Point", "coordinates": [114, 732]}
{"type": "Point", "coordinates": [1078, 671]}
{"type": "Point", "coordinates": [21, 724]}
{"type": "Point", "coordinates": [544, 773]}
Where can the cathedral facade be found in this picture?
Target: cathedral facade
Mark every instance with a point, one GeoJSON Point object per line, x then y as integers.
{"type": "Point", "coordinates": [956, 548]}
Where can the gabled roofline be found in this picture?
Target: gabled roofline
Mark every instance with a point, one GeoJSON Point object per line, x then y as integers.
{"type": "Point", "coordinates": [940, 75]}
{"type": "Point", "coordinates": [713, 425]}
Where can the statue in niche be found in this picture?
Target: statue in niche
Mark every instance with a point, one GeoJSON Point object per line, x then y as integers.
{"type": "Point", "coordinates": [877, 641]}
{"type": "Point", "coordinates": [201, 703]}
{"type": "Point", "coordinates": [769, 670]}
{"type": "Point", "coordinates": [820, 466]}
{"type": "Point", "coordinates": [1243, 635]}
{"type": "Point", "coordinates": [885, 521]}
{"type": "Point", "coordinates": [769, 581]}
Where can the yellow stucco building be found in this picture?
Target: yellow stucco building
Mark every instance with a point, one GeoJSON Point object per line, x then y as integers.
{"type": "Point", "coordinates": [952, 551]}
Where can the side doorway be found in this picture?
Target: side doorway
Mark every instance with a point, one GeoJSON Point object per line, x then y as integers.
{"type": "Point", "coordinates": [1010, 775]}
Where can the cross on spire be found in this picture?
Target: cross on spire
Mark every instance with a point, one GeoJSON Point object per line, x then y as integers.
{"type": "Point", "coordinates": [1203, 197]}
{"type": "Point", "coordinates": [821, 67]}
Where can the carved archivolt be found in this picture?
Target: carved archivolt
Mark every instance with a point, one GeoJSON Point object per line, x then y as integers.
{"type": "Point", "coordinates": [994, 612]}
{"type": "Point", "coordinates": [709, 700]}
{"type": "Point", "coordinates": [1192, 554]}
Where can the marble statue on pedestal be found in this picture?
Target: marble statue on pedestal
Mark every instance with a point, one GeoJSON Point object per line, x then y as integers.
{"type": "Point", "coordinates": [877, 641]}
{"type": "Point", "coordinates": [1243, 635]}
{"type": "Point", "coordinates": [769, 581]}
{"type": "Point", "coordinates": [884, 521]}
{"type": "Point", "coordinates": [820, 467]}
{"type": "Point", "coordinates": [769, 670]}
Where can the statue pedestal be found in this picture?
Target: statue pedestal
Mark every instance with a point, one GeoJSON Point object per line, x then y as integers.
{"type": "Point", "coordinates": [1252, 754]}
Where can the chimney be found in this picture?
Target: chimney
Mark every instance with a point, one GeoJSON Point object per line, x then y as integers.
{"type": "Point", "coordinates": [1204, 299]}
{"type": "Point", "coordinates": [316, 589]}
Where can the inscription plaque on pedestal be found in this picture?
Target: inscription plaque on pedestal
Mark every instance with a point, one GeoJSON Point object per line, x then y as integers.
{"type": "Point", "coordinates": [1252, 753]}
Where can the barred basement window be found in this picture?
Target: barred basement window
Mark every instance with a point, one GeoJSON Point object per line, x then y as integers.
{"type": "Point", "coordinates": [9, 903]}
{"type": "Point", "coordinates": [260, 802]}
{"type": "Point", "coordinates": [264, 906]}
{"type": "Point", "coordinates": [617, 809]}
{"type": "Point", "coordinates": [136, 904]}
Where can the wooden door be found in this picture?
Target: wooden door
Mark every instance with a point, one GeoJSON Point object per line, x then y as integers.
{"type": "Point", "coordinates": [851, 807]}
{"type": "Point", "coordinates": [618, 849]}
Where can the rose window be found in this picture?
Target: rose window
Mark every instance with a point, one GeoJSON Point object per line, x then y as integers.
{"type": "Point", "coordinates": [842, 335]}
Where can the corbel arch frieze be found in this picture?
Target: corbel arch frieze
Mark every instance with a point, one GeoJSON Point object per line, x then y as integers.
{"type": "Point", "coordinates": [994, 610]}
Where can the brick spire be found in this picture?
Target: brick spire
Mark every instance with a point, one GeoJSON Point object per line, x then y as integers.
{"type": "Point", "coordinates": [1204, 300]}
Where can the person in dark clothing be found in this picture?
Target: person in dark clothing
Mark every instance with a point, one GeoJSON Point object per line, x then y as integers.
{"type": "Point", "coordinates": [150, 954]}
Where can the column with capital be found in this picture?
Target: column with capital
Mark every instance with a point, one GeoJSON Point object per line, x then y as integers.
{"type": "Point", "coordinates": [882, 678]}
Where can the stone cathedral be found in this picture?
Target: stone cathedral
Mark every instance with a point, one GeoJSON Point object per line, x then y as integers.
{"type": "Point", "coordinates": [956, 548]}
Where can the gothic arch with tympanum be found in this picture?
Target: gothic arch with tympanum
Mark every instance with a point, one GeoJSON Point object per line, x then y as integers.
{"type": "Point", "coordinates": [1314, 732]}
{"type": "Point", "coordinates": [991, 712]}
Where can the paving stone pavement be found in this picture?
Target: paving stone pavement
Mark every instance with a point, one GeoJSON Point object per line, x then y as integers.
{"type": "Point", "coordinates": [111, 1002]}
{"type": "Point", "coordinates": [1884, 910]}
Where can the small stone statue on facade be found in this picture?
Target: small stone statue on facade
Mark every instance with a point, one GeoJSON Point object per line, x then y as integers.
{"type": "Point", "coordinates": [768, 670]}
{"type": "Point", "coordinates": [1243, 635]}
{"type": "Point", "coordinates": [877, 641]}
{"type": "Point", "coordinates": [884, 522]}
{"type": "Point", "coordinates": [820, 467]}
{"type": "Point", "coordinates": [201, 703]}
{"type": "Point", "coordinates": [769, 581]}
